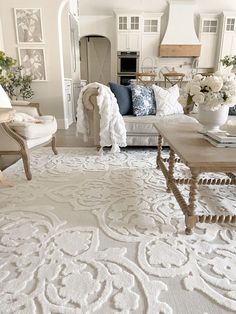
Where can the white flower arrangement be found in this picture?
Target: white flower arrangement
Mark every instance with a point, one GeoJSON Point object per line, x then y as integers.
{"type": "Point", "coordinates": [210, 91]}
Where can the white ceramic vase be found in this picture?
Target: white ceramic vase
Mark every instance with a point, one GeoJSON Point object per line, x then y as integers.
{"type": "Point", "coordinates": [212, 120]}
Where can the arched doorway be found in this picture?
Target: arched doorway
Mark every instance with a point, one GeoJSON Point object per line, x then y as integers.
{"type": "Point", "coordinates": [95, 59]}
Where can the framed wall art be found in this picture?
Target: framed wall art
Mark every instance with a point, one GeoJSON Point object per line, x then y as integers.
{"type": "Point", "coordinates": [33, 61]}
{"type": "Point", "coordinates": [28, 24]}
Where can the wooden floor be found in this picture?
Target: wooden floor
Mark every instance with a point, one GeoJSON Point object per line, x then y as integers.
{"type": "Point", "coordinates": [68, 138]}
{"type": "Point", "coordinates": [64, 138]}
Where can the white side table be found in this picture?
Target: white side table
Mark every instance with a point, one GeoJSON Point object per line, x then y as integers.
{"type": "Point", "coordinates": [6, 115]}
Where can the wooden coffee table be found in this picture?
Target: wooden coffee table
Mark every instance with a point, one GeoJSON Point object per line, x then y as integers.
{"type": "Point", "coordinates": [199, 156]}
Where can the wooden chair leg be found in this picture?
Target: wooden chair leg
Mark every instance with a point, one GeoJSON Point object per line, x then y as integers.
{"type": "Point", "coordinates": [26, 163]}
{"type": "Point", "coordinates": [54, 145]}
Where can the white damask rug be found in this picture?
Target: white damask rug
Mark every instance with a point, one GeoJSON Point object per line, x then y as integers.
{"type": "Point", "coordinates": [100, 234]}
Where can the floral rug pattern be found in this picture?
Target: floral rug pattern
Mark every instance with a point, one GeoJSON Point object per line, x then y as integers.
{"type": "Point", "coordinates": [100, 234]}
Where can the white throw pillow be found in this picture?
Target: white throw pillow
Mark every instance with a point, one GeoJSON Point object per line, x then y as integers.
{"type": "Point", "coordinates": [24, 117]}
{"type": "Point", "coordinates": [167, 100]}
{"type": "Point", "coordinates": [4, 99]}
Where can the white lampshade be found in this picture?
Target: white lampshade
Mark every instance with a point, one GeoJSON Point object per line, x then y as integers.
{"type": "Point", "coordinates": [4, 99]}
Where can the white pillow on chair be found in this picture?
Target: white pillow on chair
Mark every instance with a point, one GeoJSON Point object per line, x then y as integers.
{"type": "Point", "coordinates": [4, 99]}
{"type": "Point", "coordinates": [24, 117]}
{"type": "Point", "coordinates": [167, 100]}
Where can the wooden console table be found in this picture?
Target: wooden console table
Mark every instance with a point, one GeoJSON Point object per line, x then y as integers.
{"type": "Point", "coordinates": [6, 115]}
{"type": "Point", "coordinates": [199, 156]}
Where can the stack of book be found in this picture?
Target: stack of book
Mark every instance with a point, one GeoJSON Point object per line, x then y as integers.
{"type": "Point", "coordinates": [220, 139]}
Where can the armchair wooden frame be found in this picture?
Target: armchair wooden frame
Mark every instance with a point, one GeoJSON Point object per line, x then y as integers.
{"type": "Point", "coordinates": [21, 144]}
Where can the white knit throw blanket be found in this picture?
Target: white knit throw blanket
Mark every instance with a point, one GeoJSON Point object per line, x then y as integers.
{"type": "Point", "coordinates": [112, 126]}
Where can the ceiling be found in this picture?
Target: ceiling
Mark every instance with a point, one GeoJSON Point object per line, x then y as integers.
{"type": "Point", "coordinates": [106, 7]}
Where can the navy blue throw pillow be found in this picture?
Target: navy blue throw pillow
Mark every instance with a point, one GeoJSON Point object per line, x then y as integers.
{"type": "Point", "coordinates": [123, 96]}
{"type": "Point", "coordinates": [232, 111]}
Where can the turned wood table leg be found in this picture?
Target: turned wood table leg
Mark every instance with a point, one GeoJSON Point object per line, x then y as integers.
{"type": "Point", "coordinates": [159, 149]}
{"type": "Point", "coordinates": [190, 217]}
{"type": "Point", "coordinates": [170, 170]}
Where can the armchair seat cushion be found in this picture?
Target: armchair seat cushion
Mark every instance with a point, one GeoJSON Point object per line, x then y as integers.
{"type": "Point", "coordinates": [45, 126]}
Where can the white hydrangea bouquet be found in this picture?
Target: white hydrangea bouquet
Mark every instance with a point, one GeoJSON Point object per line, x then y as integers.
{"type": "Point", "coordinates": [210, 91]}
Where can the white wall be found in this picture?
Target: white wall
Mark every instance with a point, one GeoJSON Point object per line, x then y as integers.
{"type": "Point", "coordinates": [49, 94]}
{"type": "Point", "coordinates": [1, 38]}
{"type": "Point", "coordinates": [215, 6]}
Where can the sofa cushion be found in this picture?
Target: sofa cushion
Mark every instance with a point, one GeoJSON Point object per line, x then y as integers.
{"type": "Point", "coordinates": [140, 125]}
{"type": "Point", "coordinates": [144, 125]}
{"type": "Point", "coordinates": [167, 100]}
{"type": "Point", "coordinates": [31, 130]}
{"type": "Point", "coordinates": [143, 100]}
{"type": "Point", "coordinates": [232, 111]}
{"type": "Point", "coordinates": [123, 96]}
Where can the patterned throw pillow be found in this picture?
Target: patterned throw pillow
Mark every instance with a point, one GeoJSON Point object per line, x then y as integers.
{"type": "Point", "coordinates": [143, 100]}
{"type": "Point", "coordinates": [232, 111]}
{"type": "Point", "coordinates": [167, 100]}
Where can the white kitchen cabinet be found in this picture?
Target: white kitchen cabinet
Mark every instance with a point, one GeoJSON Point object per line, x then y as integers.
{"type": "Point", "coordinates": [209, 30]}
{"type": "Point", "coordinates": [150, 38]}
{"type": "Point", "coordinates": [227, 43]}
{"type": "Point", "coordinates": [69, 104]}
{"type": "Point", "coordinates": [127, 41]}
{"type": "Point", "coordinates": [128, 22]}
{"type": "Point", "coordinates": [128, 32]}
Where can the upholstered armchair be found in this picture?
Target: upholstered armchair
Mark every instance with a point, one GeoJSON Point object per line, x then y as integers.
{"type": "Point", "coordinates": [26, 131]}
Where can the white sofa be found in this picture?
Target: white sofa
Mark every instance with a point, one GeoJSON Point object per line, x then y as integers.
{"type": "Point", "coordinates": [140, 129]}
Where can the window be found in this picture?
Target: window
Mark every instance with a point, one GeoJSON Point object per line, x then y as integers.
{"type": "Point", "coordinates": [122, 22]}
{"type": "Point", "coordinates": [150, 26]}
{"type": "Point", "coordinates": [230, 24]}
{"type": "Point", "coordinates": [134, 22]}
{"type": "Point", "coordinates": [209, 26]}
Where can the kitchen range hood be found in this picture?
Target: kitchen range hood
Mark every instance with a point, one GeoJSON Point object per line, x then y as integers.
{"type": "Point", "coordinates": [180, 39]}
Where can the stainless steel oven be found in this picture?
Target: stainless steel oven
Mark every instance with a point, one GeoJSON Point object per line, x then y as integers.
{"type": "Point", "coordinates": [127, 66]}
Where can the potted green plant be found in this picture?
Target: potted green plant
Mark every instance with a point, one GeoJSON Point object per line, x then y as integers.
{"type": "Point", "coordinates": [14, 82]}
{"type": "Point", "coordinates": [228, 61]}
